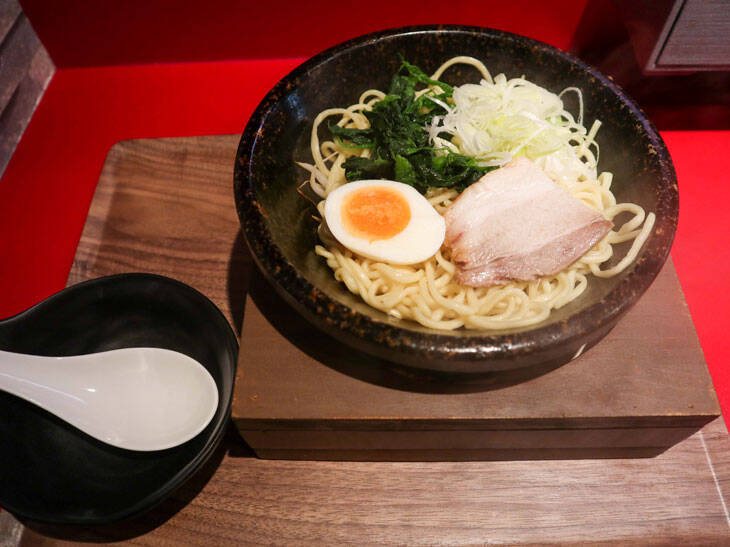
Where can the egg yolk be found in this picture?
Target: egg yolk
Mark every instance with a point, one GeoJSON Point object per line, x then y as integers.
{"type": "Point", "coordinates": [377, 212]}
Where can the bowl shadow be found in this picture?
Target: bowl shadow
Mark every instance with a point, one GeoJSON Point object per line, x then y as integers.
{"type": "Point", "coordinates": [238, 277]}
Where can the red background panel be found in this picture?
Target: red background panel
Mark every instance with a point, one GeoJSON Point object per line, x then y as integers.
{"type": "Point", "coordinates": [48, 185]}
{"type": "Point", "coordinates": [112, 32]}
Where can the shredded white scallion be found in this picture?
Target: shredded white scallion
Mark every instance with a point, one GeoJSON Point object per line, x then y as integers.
{"type": "Point", "coordinates": [495, 121]}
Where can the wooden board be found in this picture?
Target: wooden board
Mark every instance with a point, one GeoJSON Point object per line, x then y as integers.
{"type": "Point", "coordinates": [166, 206]}
{"type": "Point", "coordinates": [302, 394]}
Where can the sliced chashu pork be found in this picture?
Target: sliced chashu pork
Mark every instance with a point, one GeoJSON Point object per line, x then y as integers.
{"type": "Point", "coordinates": [516, 224]}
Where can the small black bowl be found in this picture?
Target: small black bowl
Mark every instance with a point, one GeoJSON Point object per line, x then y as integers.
{"type": "Point", "coordinates": [50, 472]}
{"type": "Point", "coordinates": [280, 232]}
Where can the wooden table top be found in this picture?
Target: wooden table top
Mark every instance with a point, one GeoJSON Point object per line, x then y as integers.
{"type": "Point", "coordinates": [166, 206]}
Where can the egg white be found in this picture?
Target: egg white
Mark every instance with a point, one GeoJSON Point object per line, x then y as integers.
{"type": "Point", "coordinates": [417, 242]}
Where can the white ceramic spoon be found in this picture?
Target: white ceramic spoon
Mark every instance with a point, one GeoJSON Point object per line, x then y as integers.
{"type": "Point", "coordinates": [133, 398]}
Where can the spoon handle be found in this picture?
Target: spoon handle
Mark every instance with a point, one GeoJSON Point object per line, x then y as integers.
{"type": "Point", "coordinates": [27, 376]}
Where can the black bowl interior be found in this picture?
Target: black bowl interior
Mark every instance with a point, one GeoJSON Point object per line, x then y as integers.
{"type": "Point", "coordinates": [278, 222]}
{"type": "Point", "coordinates": [52, 472]}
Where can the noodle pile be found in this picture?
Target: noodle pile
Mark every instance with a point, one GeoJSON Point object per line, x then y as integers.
{"type": "Point", "coordinates": [427, 292]}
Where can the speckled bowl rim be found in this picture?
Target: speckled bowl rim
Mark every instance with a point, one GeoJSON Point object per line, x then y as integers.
{"type": "Point", "coordinates": [336, 317]}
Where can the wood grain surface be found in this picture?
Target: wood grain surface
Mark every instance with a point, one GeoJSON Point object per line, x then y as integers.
{"type": "Point", "coordinates": [166, 206]}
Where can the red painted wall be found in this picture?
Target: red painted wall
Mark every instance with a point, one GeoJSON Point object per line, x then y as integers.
{"type": "Point", "coordinates": [80, 33]}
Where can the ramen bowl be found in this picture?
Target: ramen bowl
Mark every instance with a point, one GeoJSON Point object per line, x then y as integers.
{"type": "Point", "coordinates": [281, 233]}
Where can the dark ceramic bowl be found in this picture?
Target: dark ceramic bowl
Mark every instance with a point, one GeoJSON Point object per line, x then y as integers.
{"type": "Point", "coordinates": [280, 232]}
{"type": "Point", "coordinates": [50, 472]}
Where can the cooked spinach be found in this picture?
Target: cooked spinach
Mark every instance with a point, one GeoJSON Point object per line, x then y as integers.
{"type": "Point", "coordinates": [398, 138]}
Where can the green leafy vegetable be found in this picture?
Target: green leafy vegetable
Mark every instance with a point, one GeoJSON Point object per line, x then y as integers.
{"type": "Point", "coordinates": [399, 142]}
{"type": "Point", "coordinates": [366, 168]}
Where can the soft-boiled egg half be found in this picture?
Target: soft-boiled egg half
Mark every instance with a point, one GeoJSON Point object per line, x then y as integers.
{"type": "Point", "coordinates": [385, 221]}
